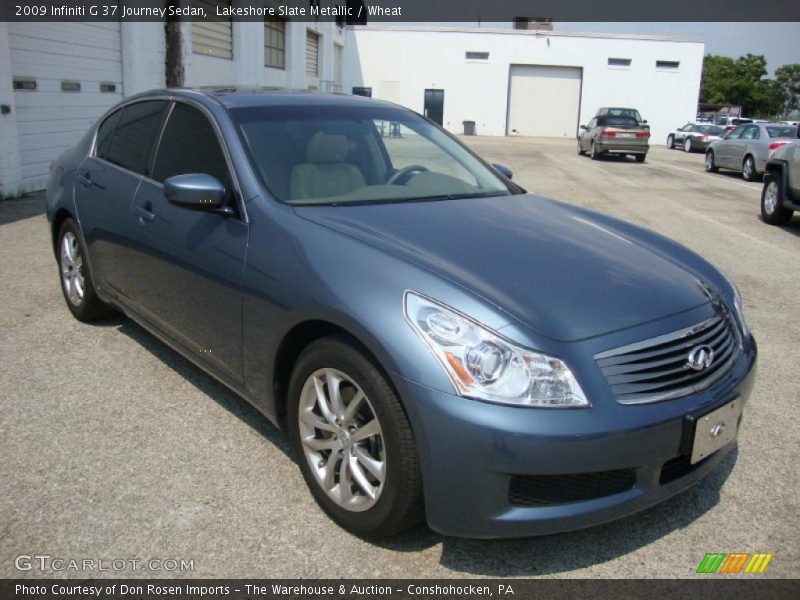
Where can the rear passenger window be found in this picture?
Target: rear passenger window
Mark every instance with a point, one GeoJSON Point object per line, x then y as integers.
{"type": "Point", "coordinates": [189, 145]}
{"type": "Point", "coordinates": [134, 135]}
{"type": "Point", "coordinates": [104, 133]}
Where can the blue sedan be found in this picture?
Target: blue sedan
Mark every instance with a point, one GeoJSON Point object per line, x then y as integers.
{"type": "Point", "coordinates": [437, 343]}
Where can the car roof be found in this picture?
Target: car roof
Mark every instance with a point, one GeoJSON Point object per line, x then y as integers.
{"type": "Point", "coordinates": [251, 96]}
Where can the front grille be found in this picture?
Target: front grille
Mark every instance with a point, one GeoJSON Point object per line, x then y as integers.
{"type": "Point", "coordinates": [658, 369]}
{"type": "Point", "coordinates": [545, 490]}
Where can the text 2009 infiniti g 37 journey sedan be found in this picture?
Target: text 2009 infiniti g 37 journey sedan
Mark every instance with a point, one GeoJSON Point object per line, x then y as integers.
{"type": "Point", "coordinates": [437, 342]}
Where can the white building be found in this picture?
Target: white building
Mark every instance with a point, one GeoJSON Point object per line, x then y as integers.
{"type": "Point", "coordinates": [56, 78]}
{"type": "Point", "coordinates": [522, 82]}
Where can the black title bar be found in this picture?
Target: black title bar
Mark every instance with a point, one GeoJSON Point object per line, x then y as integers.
{"type": "Point", "coordinates": [404, 11]}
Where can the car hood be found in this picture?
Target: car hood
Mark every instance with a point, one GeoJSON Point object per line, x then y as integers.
{"type": "Point", "coordinates": [563, 271]}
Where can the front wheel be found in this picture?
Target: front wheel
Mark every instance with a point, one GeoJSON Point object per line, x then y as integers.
{"type": "Point", "coordinates": [581, 151]}
{"type": "Point", "coordinates": [353, 440]}
{"type": "Point", "coordinates": [772, 210]}
{"type": "Point", "coordinates": [671, 142]}
{"type": "Point", "coordinates": [76, 281]}
{"type": "Point", "coordinates": [711, 166]}
{"type": "Point", "coordinates": [749, 169]}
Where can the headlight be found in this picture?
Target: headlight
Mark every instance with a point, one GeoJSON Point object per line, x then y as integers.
{"type": "Point", "coordinates": [737, 306]}
{"type": "Point", "coordinates": [485, 366]}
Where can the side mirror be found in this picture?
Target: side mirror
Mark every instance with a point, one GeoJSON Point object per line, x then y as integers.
{"type": "Point", "coordinates": [504, 171]}
{"type": "Point", "coordinates": [584, 127]}
{"type": "Point", "coordinates": [644, 120]}
{"type": "Point", "coordinates": [196, 191]}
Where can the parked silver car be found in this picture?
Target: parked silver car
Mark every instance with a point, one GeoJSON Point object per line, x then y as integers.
{"type": "Point", "coordinates": [747, 148]}
{"type": "Point", "coordinates": [694, 136]}
{"type": "Point", "coordinates": [608, 134]}
{"type": "Point", "coordinates": [780, 197]}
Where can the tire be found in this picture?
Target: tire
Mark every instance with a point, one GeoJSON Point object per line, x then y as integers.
{"type": "Point", "coordinates": [687, 145]}
{"type": "Point", "coordinates": [581, 151]}
{"type": "Point", "coordinates": [76, 280]}
{"type": "Point", "coordinates": [594, 153]}
{"type": "Point", "coordinates": [749, 172]}
{"type": "Point", "coordinates": [396, 502]}
{"type": "Point", "coordinates": [772, 211]}
{"type": "Point", "coordinates": [671, 142]}
{"type": "Point", "coordinates": [640, 158]}
{"type": "Point", "coordinates": [711, 166]}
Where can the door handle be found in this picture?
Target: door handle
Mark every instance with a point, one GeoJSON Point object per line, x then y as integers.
{"type": "Point", "coordinates": [85, 179]}
{"type": "Point", "coordinates": [145, 214]}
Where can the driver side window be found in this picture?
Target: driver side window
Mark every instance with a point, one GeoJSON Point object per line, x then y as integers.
{"type": "Point", "coordinates": [736, 133]}
{"type": "Point", "coordinates": [190, 145]}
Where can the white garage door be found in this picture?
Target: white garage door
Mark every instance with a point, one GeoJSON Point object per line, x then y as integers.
{"type": "Point", "coordinates": [65, 76]}
{"type": "Point", "coordinates": [544, 100]}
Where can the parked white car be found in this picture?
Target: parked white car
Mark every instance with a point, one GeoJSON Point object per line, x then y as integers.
{"type": "Point", "coordinates": [694, 136]}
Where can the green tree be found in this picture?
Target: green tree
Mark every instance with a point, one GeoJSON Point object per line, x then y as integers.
{"type": "Point", "coordinates": [788, 77]}
{"type": "Point", "coordinates": [743, 81]}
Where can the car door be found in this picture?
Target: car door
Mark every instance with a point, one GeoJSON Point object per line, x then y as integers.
{"type": "Point", "coordinates": [722, 150]}
{"type": "Point", "coordinates": [743, 145]}
{"type": "Point", "coordinates": [189, 264]}
{"type": "Point", "coordinates": [680, 134]}
{"type": "Point", "coordinates": [584, 136]}
{"type": "Point", "coordinates": [793, 162]}
{"type": "Point", "coordinates": [105, 186]}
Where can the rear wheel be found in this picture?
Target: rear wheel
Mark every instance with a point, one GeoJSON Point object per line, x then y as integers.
{"type": "Point", "coordinates": [749, 169]}
{"type": "Point", "coordinates": [353, 440]}
{"type": "Point", "coordinates": [772, 209]}
{"type": "Point", "coordinates": [640, 158]}
{"type": "Point", "coordinates": [76, 281]}
{"type": "Point", "coordinates": [687, 145]}
{"type": "Point", "coordinates": [671, 142]}
{"type": "Point", "coordinates": [595, 154]}
{"type": "Point", "coordinates": [711, 166]}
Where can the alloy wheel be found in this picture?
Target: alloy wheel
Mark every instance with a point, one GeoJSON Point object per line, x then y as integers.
{"type": "Point", "coordinates": [72, 269]}
{"type": "Point", "coordinates": [747, 169]}
{"type": "Point", "coordinates": [342, 439]}
{"type": "Point", "coordinates": [771, 198]}
{"type": "Point", "coordinates": [687, 145]}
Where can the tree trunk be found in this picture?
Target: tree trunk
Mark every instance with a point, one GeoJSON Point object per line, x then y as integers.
{"type": "Point", "coordinates": [174, 56]}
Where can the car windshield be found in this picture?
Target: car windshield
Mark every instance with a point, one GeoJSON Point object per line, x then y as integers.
{"type": "Point", "coordinates": [352, 154]}
{"type": "Point", "coordinates": [783, 131]}
{"type": "Point", "coordinates": [710, 129]}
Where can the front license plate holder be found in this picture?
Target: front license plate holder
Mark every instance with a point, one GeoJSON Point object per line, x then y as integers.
{"type": "Point", "coordinates": [716, 430]}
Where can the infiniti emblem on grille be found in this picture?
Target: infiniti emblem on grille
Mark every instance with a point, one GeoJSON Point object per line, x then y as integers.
{"type": "Point", "coordinates": [700, 357]}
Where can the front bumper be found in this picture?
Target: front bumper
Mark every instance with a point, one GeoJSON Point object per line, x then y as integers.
{"type": "Point", "coordinates": [471, 450]}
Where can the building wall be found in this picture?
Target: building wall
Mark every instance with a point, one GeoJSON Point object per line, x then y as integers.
{"type": "Point", "coordinates": [400, 63]}
{"type": "Point", "coordinates": [137, 65]}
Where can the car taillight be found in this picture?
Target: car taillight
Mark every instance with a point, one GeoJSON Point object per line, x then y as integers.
{"type": "Point", "coordinates": [608, 132]}
{"type": "Point", "coordinates": [701, 138]}
{"type": "Point", "coordinates": [641, 134]}
{"type": "Point", "coordinates": [776, 145]}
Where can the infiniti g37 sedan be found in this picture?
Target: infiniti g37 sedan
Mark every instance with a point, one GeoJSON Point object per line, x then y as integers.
{"type": "Point", "coordinates": [437, 343]}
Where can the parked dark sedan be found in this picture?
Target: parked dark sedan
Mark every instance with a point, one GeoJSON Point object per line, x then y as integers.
{"type": "Point", "coordinates": [437, 342]}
